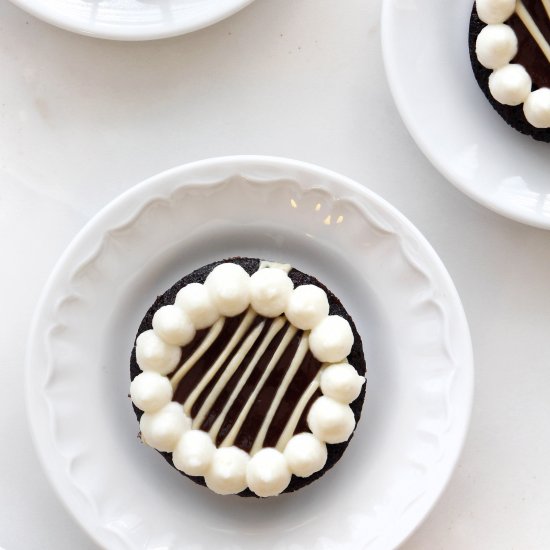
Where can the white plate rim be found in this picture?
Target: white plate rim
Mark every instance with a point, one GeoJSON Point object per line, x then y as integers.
{"type": "Point", "coordinates": [423, 142]}
{"type": "Point", "coordinates": [106, 215]}
{"type": "Point", "coordinates": [39, 9]}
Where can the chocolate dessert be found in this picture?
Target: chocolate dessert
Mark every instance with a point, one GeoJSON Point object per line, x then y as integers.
{"type": "Point", "coordinates": [248, 377]}
{"type": "Point", "coordinates": [509, 45]}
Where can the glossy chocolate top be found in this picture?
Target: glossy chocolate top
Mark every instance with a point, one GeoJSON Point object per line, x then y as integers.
{"type": "Point", "coordinates": [529, 53]}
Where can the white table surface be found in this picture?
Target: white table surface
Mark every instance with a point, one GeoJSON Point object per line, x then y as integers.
{"type": "Point", "coordinates": [82, 120]}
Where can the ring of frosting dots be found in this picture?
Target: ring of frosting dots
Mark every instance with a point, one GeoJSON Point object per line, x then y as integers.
{"type": "Point", "coordinates": [208, 367]}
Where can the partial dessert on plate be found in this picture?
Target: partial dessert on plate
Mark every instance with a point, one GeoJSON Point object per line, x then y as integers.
{"type": "Point", "coordinates": [510, 55]}
{"type": "Point", "coordinates": [248, 376]}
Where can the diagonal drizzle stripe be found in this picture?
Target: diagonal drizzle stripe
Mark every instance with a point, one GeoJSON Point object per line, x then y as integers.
{"type": "Point", "coordinates": [292, 422]}
{"type": "Point", "coordinates": [246, 343]}
{"type": "Point", "coordinates": [230, 438]}
{"type": "Point", "coordinates": [281, 390]}
{"type": "Point", "coordinates": [233, 365]}
{"type": "Point", "coordinates": [532, 27]}
{"type": "Point", "coordinates": [273, 331]}
{"type": "Point", "coordinates": [235, 339]}
{"type": "Point", "coordinates": [213, 333]}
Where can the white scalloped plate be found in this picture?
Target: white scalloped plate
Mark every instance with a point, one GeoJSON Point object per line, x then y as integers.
{"type": "Point", "coordinates": [416, 340]}
{"type": "Point", "coordinates": [132, 19]}
{"type": "Point", "coordinates": [425, 47]}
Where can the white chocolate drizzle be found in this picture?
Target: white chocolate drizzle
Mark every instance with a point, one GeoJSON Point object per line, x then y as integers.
{"type": "Point", "coordinates": [273, 330]}
{"type": "Point", "coordinates": [235, 339]}
{"type": "Point", "coordinates": [290, 427]}
{"type": "Point", "coordinates": [230, 437]}
{"type": "Point", "coordinates": [289, 375]}
{"type": "Point", "coordinates": [228, 354]}
{"type": "Point", "coordinates": [213, 333]}
{"type": "Point", "coordinates": [533, 28]}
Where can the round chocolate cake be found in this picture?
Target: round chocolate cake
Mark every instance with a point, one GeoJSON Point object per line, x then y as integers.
{"type": "Point", "coordinates": [248, 377]}
{"type": "Point", "coordinates": [510, 54]}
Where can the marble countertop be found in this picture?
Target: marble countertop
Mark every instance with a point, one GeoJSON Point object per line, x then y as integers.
{"type": "Point", "coordinates": [82, 120]}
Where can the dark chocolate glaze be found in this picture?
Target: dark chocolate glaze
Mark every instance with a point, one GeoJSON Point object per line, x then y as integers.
{"type": "Point", "coordinates": [246, 436]}
{"type": "Point", "coordinates": [189, 349]}
{"type": "Point", "coordinates": [302, 423]}
{"type": "Point", "coordinates": [221, 400]}
{"type": "Point", "coordinates": [194, 376]}
{"type": "Point", "coordinates": [219, 348]}
{"type": "Point", "coordinates": [306, 373]}
{"type": "Point", "coordinates": [251, 426]}
{"type": "Point", "coordinates": [529, 53]}
{"type": "Point", "coordinates": [243, 396]}
{"type": "Point", "coordinates": [512, 115]}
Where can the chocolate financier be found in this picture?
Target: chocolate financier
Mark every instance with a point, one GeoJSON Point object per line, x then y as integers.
{"type": "Point", "coordinates": [248, 377]}
{"type": "Point", "coordinates": [510, 54]}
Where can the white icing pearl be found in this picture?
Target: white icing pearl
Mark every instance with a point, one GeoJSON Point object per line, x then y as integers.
{"type": "Point", "coordinates": [267, 473]}
{"type": "Point", "coordinates": [163, 429]}
{"type": "Point", "coordinates": [510, 85]}
{"type": "Point", "coordinates": [150, 391]}
{"type": "Point", "coordinates": [341, 382]}
{"type": "Point", "coordinates": [173, 325]}
{"type": "Point", "coordinates": [193, 453]}
{"type": "Point", "coordinates": [229, 287]}
{"type": "Point", "coordinates": [152, 353]}
{"type": "Point", "coordinates": [496, 45]}
{"type": "Point", "coordinates": [537, 108]}
{"type": "Point", "coordinates": [195, 300]}
{"type": "Point", "coordinates": [270, 289]}
{"type": "Point", "coordinates": [305, 454]}
{"type": "Point", "coordinates": [307, 306]}
{"type": "Point", "coordinates": [331, 340]}
{"type": "Point", "coordinates": [330, 420]}
{"type": "Point", "coordinates": [227, 472]}
{"type": "Point", "coordinates": [495, 11]}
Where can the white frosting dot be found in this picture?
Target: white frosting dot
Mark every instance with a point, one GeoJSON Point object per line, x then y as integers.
{"type": "Point", "coordinates": [331, 340]}
{"type": "Point", "coordinates": [510, 85]}
{"type": "Point", "coordinates": [307, 306]}
{"type": "Point", "coordinates": [496, 45]}
{"type": "Point", "coordinates": [270, 290]}
{"type": "Point", "coordinates": [495, 11]}
{"type": "Point", "coordinates": [267, 473]}
{"type": "Point", "coordinates": [537, 108]}
{"type": "Point", "coordinates": [330, 420]}
{"type": "Point", "coordinates": [305, 454]}
{"type": "Point", "coordinates": [150, 391]}
{"type": "Point", "coordinates": [229, 287]}
{"type": "Point", "coordinates": [195, 300]}
{"type": "Point", "coordinates": [341, 382]}
{"type": "Point", "coordinates": [163, 429]}
{"type": "Point", "coordinates": [173, 325]}
{"type": "Point", "coordinates": [153, 353]}
{"type": "Point", "coordinates": [227, 472]}
{"type": "Point", "coordinates": [193, 453]}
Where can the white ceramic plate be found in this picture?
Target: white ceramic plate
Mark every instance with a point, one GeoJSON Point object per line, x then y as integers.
{"type": "Point", "coordinates": [425, 46]}
{"type": "Point", "coordinates": [416, 340]}
{"type": "Point", "coordinates": [132, 19]}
